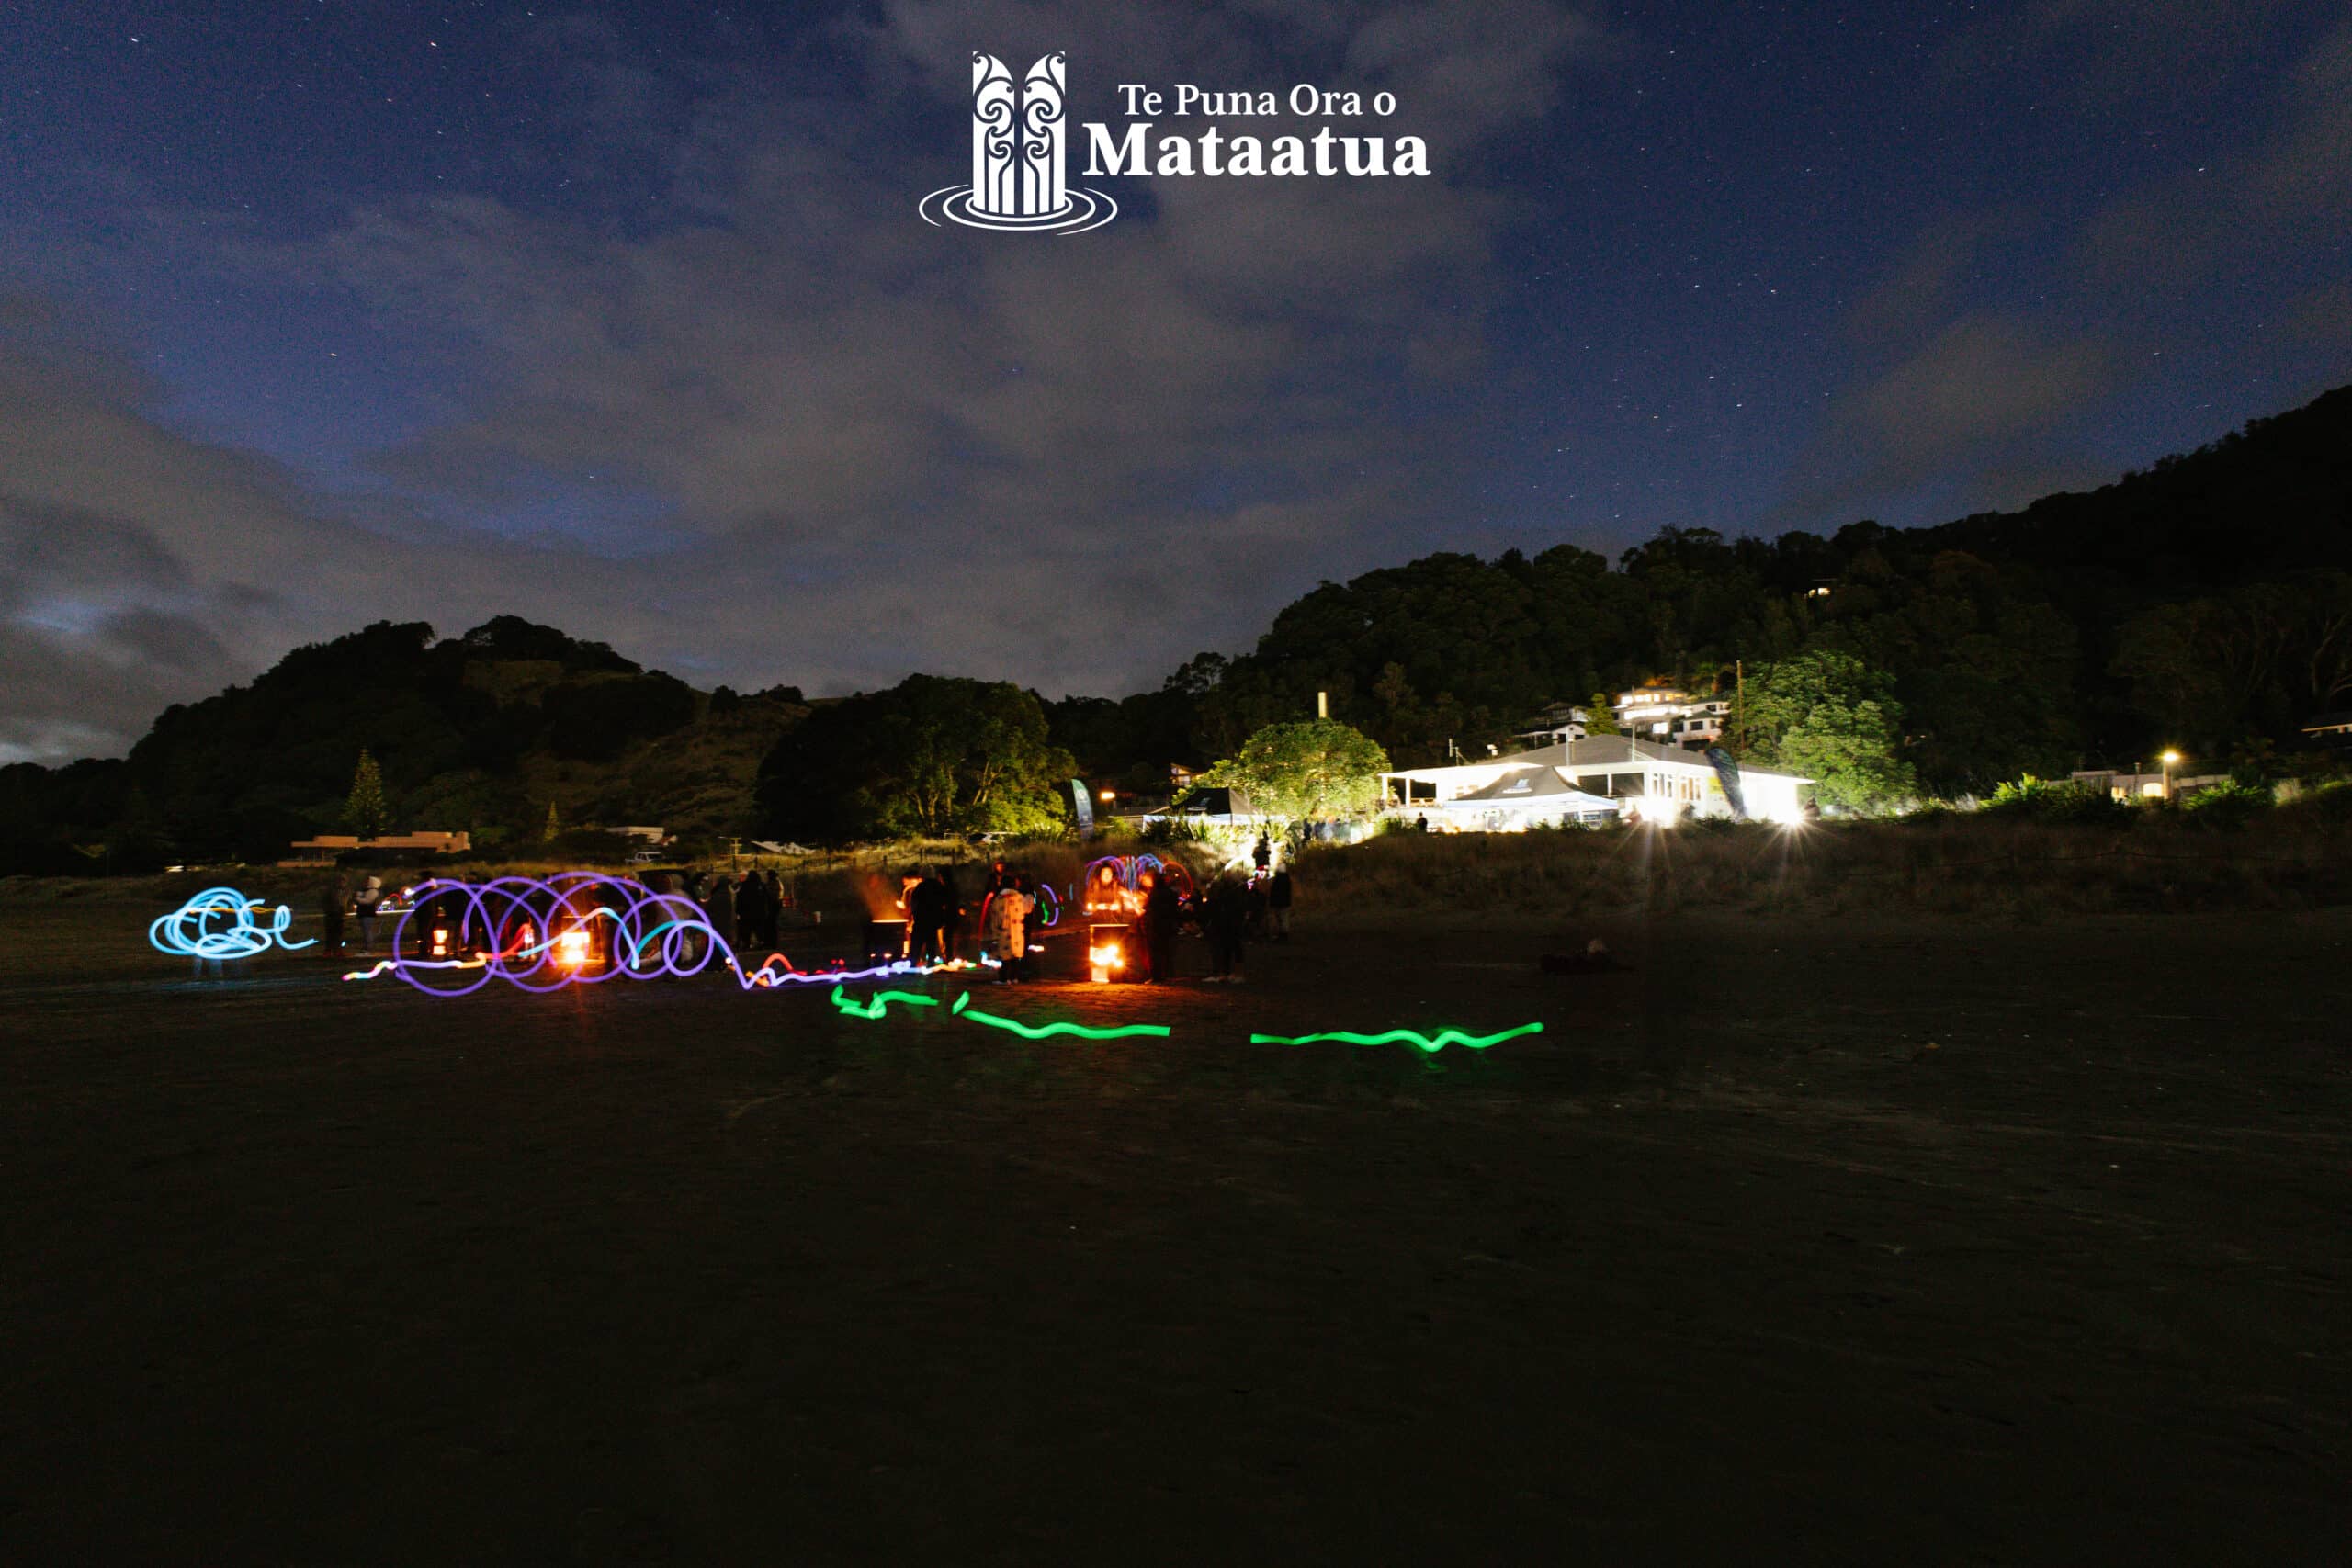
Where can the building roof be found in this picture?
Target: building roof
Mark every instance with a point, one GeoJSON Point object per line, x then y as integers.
{"type": "Point", "coordinates": [1623, 751]}
{"type": "Point", "coordinates": [1596, 751]}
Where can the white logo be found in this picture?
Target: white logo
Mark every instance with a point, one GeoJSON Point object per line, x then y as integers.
{"type": "Point", "coordinates": [1017, 158]}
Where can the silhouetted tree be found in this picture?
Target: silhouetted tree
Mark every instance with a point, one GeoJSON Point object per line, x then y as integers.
{"type": "Point", "coordinates": [932, 755]}
{"type": "Point", "coordinates": [365, 811]}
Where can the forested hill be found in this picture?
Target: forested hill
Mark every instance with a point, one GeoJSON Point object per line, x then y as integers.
{"type": "Point", "coordinates": [2202, 602]}
{"type": "Point", "coordinates": [2271, 498]}
{"type": "Point", "coordinates": [2206, 602]}
{"type": "Point", "coordinates": [485, 732]}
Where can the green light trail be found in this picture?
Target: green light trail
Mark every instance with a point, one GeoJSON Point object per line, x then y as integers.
{"type": "Point", "coordinates": [879, 1003]}
{"type": "Point", "coordinates": [1411, 1037]}
{"type": "Point", "coordinates": [1046, 1031]}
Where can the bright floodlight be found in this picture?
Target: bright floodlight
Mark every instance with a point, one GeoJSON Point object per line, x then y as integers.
{"type": "Point", "coordinates": [2171, 758]}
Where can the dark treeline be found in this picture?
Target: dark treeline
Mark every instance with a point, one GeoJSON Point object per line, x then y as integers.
{"type": "Point", "coordinates": [482, 731]}
{"type": "Point", "coordinates": [2206, 602]}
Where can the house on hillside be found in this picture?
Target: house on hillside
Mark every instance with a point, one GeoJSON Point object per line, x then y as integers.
{"type": "Point", "coordinates": [1561, 721]}
{"type": "Point", "coordinates": [1630, 778]}
{"type": "Point", "coordinates": [1670, 716]}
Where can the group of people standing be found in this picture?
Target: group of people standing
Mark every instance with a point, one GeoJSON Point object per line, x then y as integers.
{"type": "Point", "coordinates": [339, 902]}
{"type": "Point", "coordinates": [748, 911]}
{"type": "Point", "coordinates": [934, 917]}
{"type": "Point", "coordinates": [1008, 918]}
{"type": "Point", "coordinates": [1231, 910]}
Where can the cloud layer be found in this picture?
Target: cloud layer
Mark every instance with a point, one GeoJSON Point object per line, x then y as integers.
{"type": "Point", "coordinates": [745, 416]}
{"type": "Point", "coordinates": [797, 434]}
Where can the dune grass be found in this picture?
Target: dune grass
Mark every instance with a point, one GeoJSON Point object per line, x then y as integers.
{"type": "Point", "coordinates": [1958, 864]}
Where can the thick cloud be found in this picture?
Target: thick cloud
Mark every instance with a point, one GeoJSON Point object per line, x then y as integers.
{"type": "Point", "coordinates": [1061, 460]}
{"type": "Point", "coordinates": [742, 413]}
{"type": "Point", "coordinates": [139, 567]}
{"type": "Point", "coordinates": [841, 443]}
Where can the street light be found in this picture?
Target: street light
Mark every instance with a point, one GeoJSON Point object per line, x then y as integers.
{"type": "Point", "coordinates": [2171, 760]}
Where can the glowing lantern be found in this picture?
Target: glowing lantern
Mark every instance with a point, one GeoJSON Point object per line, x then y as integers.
{"type": "Point", "coordinates": [1107, 953]}
{"type": "Point", "coordinates": [440, 948]}
{"type": "Point", "coordinates": [572, 949]}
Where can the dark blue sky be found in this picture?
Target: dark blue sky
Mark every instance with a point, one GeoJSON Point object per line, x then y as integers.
{"type": "Point", "coordinates": [622, 316]}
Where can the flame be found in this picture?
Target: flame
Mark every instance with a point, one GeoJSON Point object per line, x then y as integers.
{"type": "Point", "coordinates": [572, 949]}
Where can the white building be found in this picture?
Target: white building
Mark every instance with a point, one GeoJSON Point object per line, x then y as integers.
{"type": "Point", "coordinates": [2144, 786]}
{"type": "Point", "coordinates": [1561, 721]}
{"type": "Point", "coordinates": [1670, 716]}
{"type": "Point", "coordinates": [1632, 779]}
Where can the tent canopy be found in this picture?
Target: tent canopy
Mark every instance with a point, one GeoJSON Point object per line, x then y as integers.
{"type": "Point", "coordinates": [1521, 783]}
{"type": "Point", "coordinates": [1212, 801]}
{"type": "Point", "coordinates": [1531, 787]}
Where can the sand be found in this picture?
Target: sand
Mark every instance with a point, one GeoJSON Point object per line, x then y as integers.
{"type": "Point", "coordinates": [1827, 1240]}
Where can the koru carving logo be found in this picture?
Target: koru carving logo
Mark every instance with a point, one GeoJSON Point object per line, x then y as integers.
{"type": "Point", "coordinates": [1018, 164]}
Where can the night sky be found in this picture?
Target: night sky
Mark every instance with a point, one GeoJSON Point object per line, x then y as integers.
{"type": "Point", "coordinates": [622, 317]}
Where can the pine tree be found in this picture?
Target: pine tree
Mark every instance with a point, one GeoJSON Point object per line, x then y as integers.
{"type": "Point", "coordinates": [555, 825]}
{"type": "Point", "coordinates": [1599, 719]}
{"type": "Point", "coordinates": [363, 810]}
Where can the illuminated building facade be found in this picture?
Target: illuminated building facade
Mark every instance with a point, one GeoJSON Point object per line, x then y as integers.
{"type": "Point", "coordinates": [1632, 780]}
